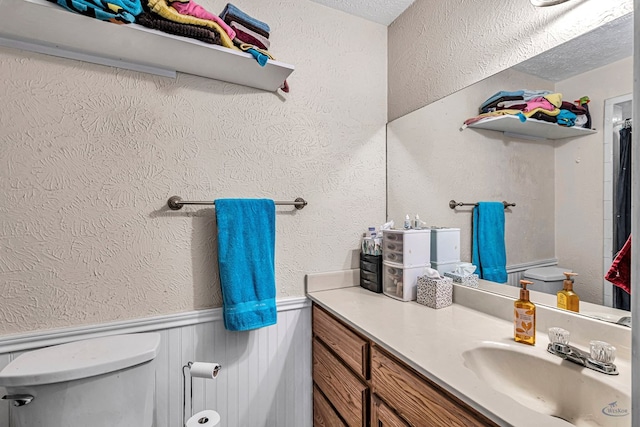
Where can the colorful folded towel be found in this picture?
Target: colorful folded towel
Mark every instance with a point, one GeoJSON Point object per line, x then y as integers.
{"type": "Point", "coordinates": [117, 11]}
{"type": "Point", "coordinates": [163, 9]}
{"type": "Point", "coordinates": [503, 94]}
{"type": "Point", "coordinates": [192, 8]}
{"type": "Point", "coordinates": [262, 56]}
{"type": "Point", "coordinates": [566, 118]}
{"type": "Point", "coordinates": [156, 22]}
{"type": "Point", "coordinates": [232, 13]}
{"type": "Point", "coordinates": [248, 36]}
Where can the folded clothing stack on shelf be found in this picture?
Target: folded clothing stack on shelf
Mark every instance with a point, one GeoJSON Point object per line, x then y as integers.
{"type": "Point", "coordinates": [252, 35]}
{"type": "Point", "coordinates": [535, 104]}
{"type": "Point", "coordinates": [187, 21]}
{"type": "Point", "coordinates": [233, 29]}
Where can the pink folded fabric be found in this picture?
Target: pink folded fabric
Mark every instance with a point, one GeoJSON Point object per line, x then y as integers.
{"type": "Point", "coordinates": [249, 36]}
{"type": "Point", "coordinates": [192, 8]}
{"type": "Point", "coordinates": [539, 102]}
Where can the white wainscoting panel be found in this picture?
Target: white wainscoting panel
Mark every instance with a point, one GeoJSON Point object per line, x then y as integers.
{"type": "Point", "coordinates": [265, 379]}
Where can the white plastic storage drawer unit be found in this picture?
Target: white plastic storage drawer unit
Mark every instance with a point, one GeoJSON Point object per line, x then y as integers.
{"type": "Point", "coordinates": [406, 248]}
{"type": "Point", "coordinates": [445, 245]}
{"type": "Point", "coordinates": [400, 283]}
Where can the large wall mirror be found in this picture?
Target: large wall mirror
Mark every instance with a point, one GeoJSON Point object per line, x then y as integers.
{"type": "Point", "coordinates": [562, 188]}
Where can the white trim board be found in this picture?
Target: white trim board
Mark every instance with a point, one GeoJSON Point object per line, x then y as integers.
{"type": "Point", "coordinates": [31, 340]}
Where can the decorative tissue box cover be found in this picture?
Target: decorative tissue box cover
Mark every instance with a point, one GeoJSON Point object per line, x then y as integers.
{"type": "Point", "coordinates": [470, 280]}
{"type": "Point", "coordinates": [435, 293]}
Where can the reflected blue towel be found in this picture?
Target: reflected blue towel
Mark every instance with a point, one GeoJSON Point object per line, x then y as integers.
{"type": "Point", "coordinates": [489, 252]}
{"type": "Point", "coordinates": [246, 258]}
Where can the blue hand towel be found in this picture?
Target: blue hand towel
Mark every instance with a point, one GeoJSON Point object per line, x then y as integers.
{"type": "Point", "coordinates": [489, 251]}
{"type": "Point", "coordinates": [246, 250]}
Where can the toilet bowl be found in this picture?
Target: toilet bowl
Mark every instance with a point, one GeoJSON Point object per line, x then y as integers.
{"type": "Point", "coordinates": [102, 382]}
{"type": "Point", "coordinates": [546, 279]}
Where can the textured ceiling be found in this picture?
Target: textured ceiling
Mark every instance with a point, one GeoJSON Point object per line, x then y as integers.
{"type": "Point", "coordinates": [611, 42]}
{"type": "Point", "coordinates": [380, 11]}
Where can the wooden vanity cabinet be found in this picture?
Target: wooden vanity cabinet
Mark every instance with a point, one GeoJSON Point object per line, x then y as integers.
{"type": "Point", "coordinates": [417, 400]}
{"type": "Point", "coordinates": [383, 416]}
{"type": "Point", "coordinates": [341, 369]}
{"type": "Point", "coordinates": [356, 383]}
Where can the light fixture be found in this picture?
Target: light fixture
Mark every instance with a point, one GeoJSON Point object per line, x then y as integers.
{"type": "Point", "coordinates": [544, 3]}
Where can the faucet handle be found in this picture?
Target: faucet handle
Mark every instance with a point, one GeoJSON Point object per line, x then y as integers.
{"type": "Point", "coordinates": [602, 352]}
{"type": "Point", "coordinates": [558, 335]}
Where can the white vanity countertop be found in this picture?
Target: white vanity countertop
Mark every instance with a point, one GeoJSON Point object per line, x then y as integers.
{"type": "Point", "coordinates": [432, 342]}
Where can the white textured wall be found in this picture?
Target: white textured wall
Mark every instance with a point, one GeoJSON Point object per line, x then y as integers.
{"type": "Point", "coordinates": [430, 161]}
{"type": "Point", "coordinates": [438, 47]}
{"type": "Point", "coordinates": [90, 154]}
{"type": "Point", "coordinates": [579, 179]}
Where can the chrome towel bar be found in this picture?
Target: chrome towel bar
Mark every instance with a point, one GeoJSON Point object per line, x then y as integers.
{"type": "Point", "coordinates": [175, 203]}
{"type": "Point", "coordinates": [453, 204]}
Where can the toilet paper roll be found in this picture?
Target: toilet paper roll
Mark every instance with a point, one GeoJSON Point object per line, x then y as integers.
{"type": "Point", "coordinates": [207, 418]}
{"type": "Point", "coordinates": [205, 370]}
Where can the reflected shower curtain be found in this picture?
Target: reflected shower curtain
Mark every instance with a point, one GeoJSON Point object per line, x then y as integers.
{"type": "Point", "coordinates": [622, 209]}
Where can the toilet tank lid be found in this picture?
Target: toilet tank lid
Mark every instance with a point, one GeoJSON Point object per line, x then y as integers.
{"type": "Point", "coordinates": [80, 359]}
{"type": "Point", "coordinates": [546, 274]}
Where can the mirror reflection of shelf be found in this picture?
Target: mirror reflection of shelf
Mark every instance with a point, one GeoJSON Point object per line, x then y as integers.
{"type": "Point", "coordinates": [531, 129]}
{"type": "Point", "coordinates": [44, 27]}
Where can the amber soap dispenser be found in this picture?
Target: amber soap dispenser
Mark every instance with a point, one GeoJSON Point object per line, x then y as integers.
{"type": "Point", "coordinates": [567, 298]}
{"type": "Point", "coordinates": [524, 317]}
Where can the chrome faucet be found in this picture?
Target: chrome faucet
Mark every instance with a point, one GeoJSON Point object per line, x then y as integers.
{"type": "Point", "coordinates": [600, 358]}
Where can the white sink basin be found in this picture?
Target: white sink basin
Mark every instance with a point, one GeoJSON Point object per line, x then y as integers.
{"type": "Point", "coordinates": [547, 384]}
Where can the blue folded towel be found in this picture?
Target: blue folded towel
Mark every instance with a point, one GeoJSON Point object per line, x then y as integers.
{"type": "Point", "coordinates": [500, 94]}
{"type": "Point", "coordinates": [246, 258]}
{"type": "Point", "coordinates": [233, 11]}
{"type": "Point", "coordinates": [260, 57]}
{"type": "Point", "coordinates": [489, 251]}
{"type": "Point", "coordinates": [106, 10]}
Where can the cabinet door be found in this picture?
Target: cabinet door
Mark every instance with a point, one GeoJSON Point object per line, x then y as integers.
{"type": "Point", "coordinates": [346, 392]}
{"type": "Point", "coordinates": [323, 413]}
{"type": "Point", "coordinates": [416, 399]}
{"type": "Point", "coordinates": [383, 416]}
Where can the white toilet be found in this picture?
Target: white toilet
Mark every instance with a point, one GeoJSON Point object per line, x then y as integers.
{"type": "Point", "coordinates": [546, 279]}
{"type": "Point", "coordinates": [102, 382]}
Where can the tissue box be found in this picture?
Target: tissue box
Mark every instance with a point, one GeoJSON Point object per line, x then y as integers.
{"type": "Point", "coordinates": [470, 280]}
{"type": "Point", "coordinates": [435, 293]}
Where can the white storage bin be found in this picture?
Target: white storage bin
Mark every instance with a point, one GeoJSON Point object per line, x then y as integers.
{"type": "Point", "coordinates": [445, 245]}
{"type": "Point", "coordinates": [400, 283]}
{"type": "Point", "coordinates": [407, 248]}
{"type": "Point", "coordinates": [445, 267]}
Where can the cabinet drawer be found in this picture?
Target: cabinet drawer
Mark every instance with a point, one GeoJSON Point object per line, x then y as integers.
{"type": "Point", "coordinates": [383, 416]}
{"type": "Point", "coordinates": [341, 386]}
{"type": "Point", "coordinates": [323, 413]}
{"type": "Point", "coordinates": [418, 401]}
{"type": "Point", "coordinates": [352, 349]}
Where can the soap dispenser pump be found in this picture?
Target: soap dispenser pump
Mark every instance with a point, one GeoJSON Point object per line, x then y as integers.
{"type": "Point", "coordinates": [524, 317]}
{"type": "Point", "coordinates": [567, 298]}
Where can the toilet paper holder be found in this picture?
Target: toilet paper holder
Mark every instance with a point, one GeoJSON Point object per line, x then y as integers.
{"type": "Point", "coordinates": [196, 370]}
